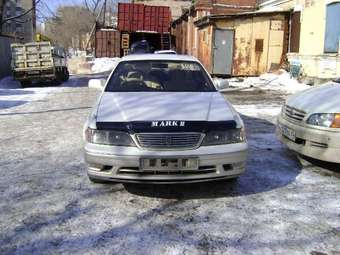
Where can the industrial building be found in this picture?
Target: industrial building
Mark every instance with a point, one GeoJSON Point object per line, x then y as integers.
{"type": "Point", "coordinates": [248, 37]}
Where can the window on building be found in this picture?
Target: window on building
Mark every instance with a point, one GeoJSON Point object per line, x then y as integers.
{"type": "Point", "coordinates": [332, 35]}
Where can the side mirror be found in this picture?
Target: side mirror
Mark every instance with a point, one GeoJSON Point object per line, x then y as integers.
{"type": "Point", "coordinates": [97, 84]}
{"type": "Point", "coordinates": [221, 84]}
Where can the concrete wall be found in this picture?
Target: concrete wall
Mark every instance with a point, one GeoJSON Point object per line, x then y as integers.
{"type": "Point", "coordinates": [5, 56]}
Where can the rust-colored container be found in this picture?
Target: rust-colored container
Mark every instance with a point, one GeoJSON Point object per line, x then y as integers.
{"type": "Point", "coordinates": [107, 43]}
{"type": "Point", "coordinates": [140, 17]}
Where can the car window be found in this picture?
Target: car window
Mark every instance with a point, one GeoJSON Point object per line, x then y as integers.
{"type": "Point", "coordinates": [177, 76]}
{"type": "Point", "coordinates": [337, 80]}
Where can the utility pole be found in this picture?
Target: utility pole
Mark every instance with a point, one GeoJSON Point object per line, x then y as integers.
{"type": "Point", "coordinates": [104, 15]}
{"type": "Point", "coordinates": [34, 18]}
{"type": "Point", "coordinates": [2, 6]}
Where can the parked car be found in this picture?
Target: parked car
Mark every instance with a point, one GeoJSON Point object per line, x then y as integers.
{"type": "Point", "coordinates": [310, 122]}
{"type": "Point", "coordinates": [160, 119]}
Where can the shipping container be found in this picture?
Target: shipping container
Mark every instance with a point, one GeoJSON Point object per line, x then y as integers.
{"type": "Point", "coordinates": [140, 17]}
{"type": "Point", "coordinates": [107, 43]}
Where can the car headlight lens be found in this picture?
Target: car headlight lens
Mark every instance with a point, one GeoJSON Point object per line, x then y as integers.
{"type": "Point", "coordinates": [224, 137]}
{"type": "Point", "coordinates": [325, 120]}
{"type": "Point", "coordinates": [105, 137]}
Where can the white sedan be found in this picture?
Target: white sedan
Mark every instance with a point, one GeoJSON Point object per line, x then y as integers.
{"type": "Point", "coordinates": [160, 119]}
{"type": "Point", "coordinates": [310, 122]}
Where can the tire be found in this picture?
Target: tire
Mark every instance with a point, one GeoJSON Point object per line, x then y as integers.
{"type": "Point", "coordinates": [66, 75]}
{"type": "Point", "coordinates": [25, 84]}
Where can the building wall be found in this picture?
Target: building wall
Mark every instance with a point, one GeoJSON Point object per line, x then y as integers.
{"type": "Point", "coordinates": [204, 52]}
{"type": "Point", "coordinates": [22, 28]}
{"type": "Point", "coordinates": [5, 56]}
{"type": "Point", "coordinates": [315, 63]}
{"type": "Point", "coordinates": [225, 6]}
{"type": "Point", "coordinates": [283, 5]}
{"type": "Point", "coordinates": [259, 43]}
{"type": "Point", "coordinates": [176, 6]}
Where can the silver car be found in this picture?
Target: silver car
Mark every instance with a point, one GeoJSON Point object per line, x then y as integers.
{"type": "Point", "coordinates": [310, 122]}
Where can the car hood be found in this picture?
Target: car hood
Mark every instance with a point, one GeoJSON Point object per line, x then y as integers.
{"type": "Point", "coordinates": [152, 106]}
{"type": "Point", "coordinates": [320, 99]}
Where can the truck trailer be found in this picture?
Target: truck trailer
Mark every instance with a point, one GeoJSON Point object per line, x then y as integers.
{"type": "Point", "coordinates": [39, 61]}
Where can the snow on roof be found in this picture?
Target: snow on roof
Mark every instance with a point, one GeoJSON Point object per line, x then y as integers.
{"type": "Point", "coordinates": [173, 57]}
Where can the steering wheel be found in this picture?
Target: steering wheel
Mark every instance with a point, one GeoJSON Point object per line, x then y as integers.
{"type": "Point", "coordinates": [134, 84]}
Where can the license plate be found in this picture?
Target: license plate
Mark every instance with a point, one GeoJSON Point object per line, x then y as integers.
{"type": "Point", "coordinates": [289, 133]}
{"type": "Point", "coordinates": [169, 164]}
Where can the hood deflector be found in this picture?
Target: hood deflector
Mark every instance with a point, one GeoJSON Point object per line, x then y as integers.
{"type": "Point", "coordinates": [146, 127]}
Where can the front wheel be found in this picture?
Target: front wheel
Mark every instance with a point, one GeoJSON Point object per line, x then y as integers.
{"type": "Point", "coordinates": [25, 84]}
{"type": "Point", "coordinates": [66, 75]}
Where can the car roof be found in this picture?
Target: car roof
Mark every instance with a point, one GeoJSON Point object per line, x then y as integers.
{"type": "Point", "coordinates": [171, 57]}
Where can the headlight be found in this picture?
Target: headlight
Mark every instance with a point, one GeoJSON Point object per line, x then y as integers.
{"type": "Point", "coordinates": [116, 138]}
{"type": "Point", "coordinates": [331, 120]}
{"type": "Point", "coordinates": [224, 137]}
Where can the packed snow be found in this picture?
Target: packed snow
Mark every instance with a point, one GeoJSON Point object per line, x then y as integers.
{"type": "Point", "coordinates": [11, 93]}
{"type": "Point", "coordinates": [256, 110]}
{"type": "Point", "coordinates": [101, 65]}
{"type": "Point", "coordinates": [48, 205]}
{"type": "Point", "coordinates": [280, 81]}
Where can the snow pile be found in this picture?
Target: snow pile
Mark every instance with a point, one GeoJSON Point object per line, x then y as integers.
{"type": "Point", "coordinates": [101, 65]}
{"type": "Point", "coordinates": [259, 110]}
{"type": "Point", "coordinates": [271, 81]}
{"type": "Point", "coordinates": [12, 95]}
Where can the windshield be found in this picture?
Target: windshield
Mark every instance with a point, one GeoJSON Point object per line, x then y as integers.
{"type": "Point", "coordinates": [159, 76]}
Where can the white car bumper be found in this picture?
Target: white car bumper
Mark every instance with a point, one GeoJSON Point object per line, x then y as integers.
{"type": "Point", "coordinates": [122, 164]}
{"type": "Point", "coordinates": [315, 143]}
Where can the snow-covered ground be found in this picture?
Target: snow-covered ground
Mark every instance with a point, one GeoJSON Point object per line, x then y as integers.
{"type": "Point", "coordinates": [280, 81]}
{"type": "Point", "coordinates": [48, 206]}
{"type": "Point", "coordinates": [101, 65]}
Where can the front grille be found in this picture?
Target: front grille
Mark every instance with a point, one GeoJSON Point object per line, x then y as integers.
{"type": "Point", "coordinates": [169, 140]}
{"type": "Point", "coordinates": [294, 114]}
{"type": "Point", "coordinates": [136, 171]}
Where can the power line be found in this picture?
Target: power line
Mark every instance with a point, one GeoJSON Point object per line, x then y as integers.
{"type": "Point", "coordinates": [20, 15]}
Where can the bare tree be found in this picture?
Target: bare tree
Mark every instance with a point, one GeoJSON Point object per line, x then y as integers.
{"type": "Point", "coordinates": [92, 5]}
{"type": "Point", "coordinates": [69, 24]}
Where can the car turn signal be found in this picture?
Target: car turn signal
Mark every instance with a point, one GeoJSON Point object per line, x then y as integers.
{"type": "Point", "coordinates": [336, 121]}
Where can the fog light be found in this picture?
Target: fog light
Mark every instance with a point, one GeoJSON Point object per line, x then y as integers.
{"type": "Point", "coordinates": [227, 167]}
{"type": "Point", "coordinates": [95, 167]}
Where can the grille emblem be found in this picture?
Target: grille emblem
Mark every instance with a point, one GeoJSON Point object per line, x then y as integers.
{"type": "Point", "coordinates": [168, 123]}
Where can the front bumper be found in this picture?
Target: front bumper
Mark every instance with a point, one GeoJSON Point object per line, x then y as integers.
{"type": "Point", "coordinates": [311, 142]}
{"type": "Point", "coordinates": [122, 164]}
